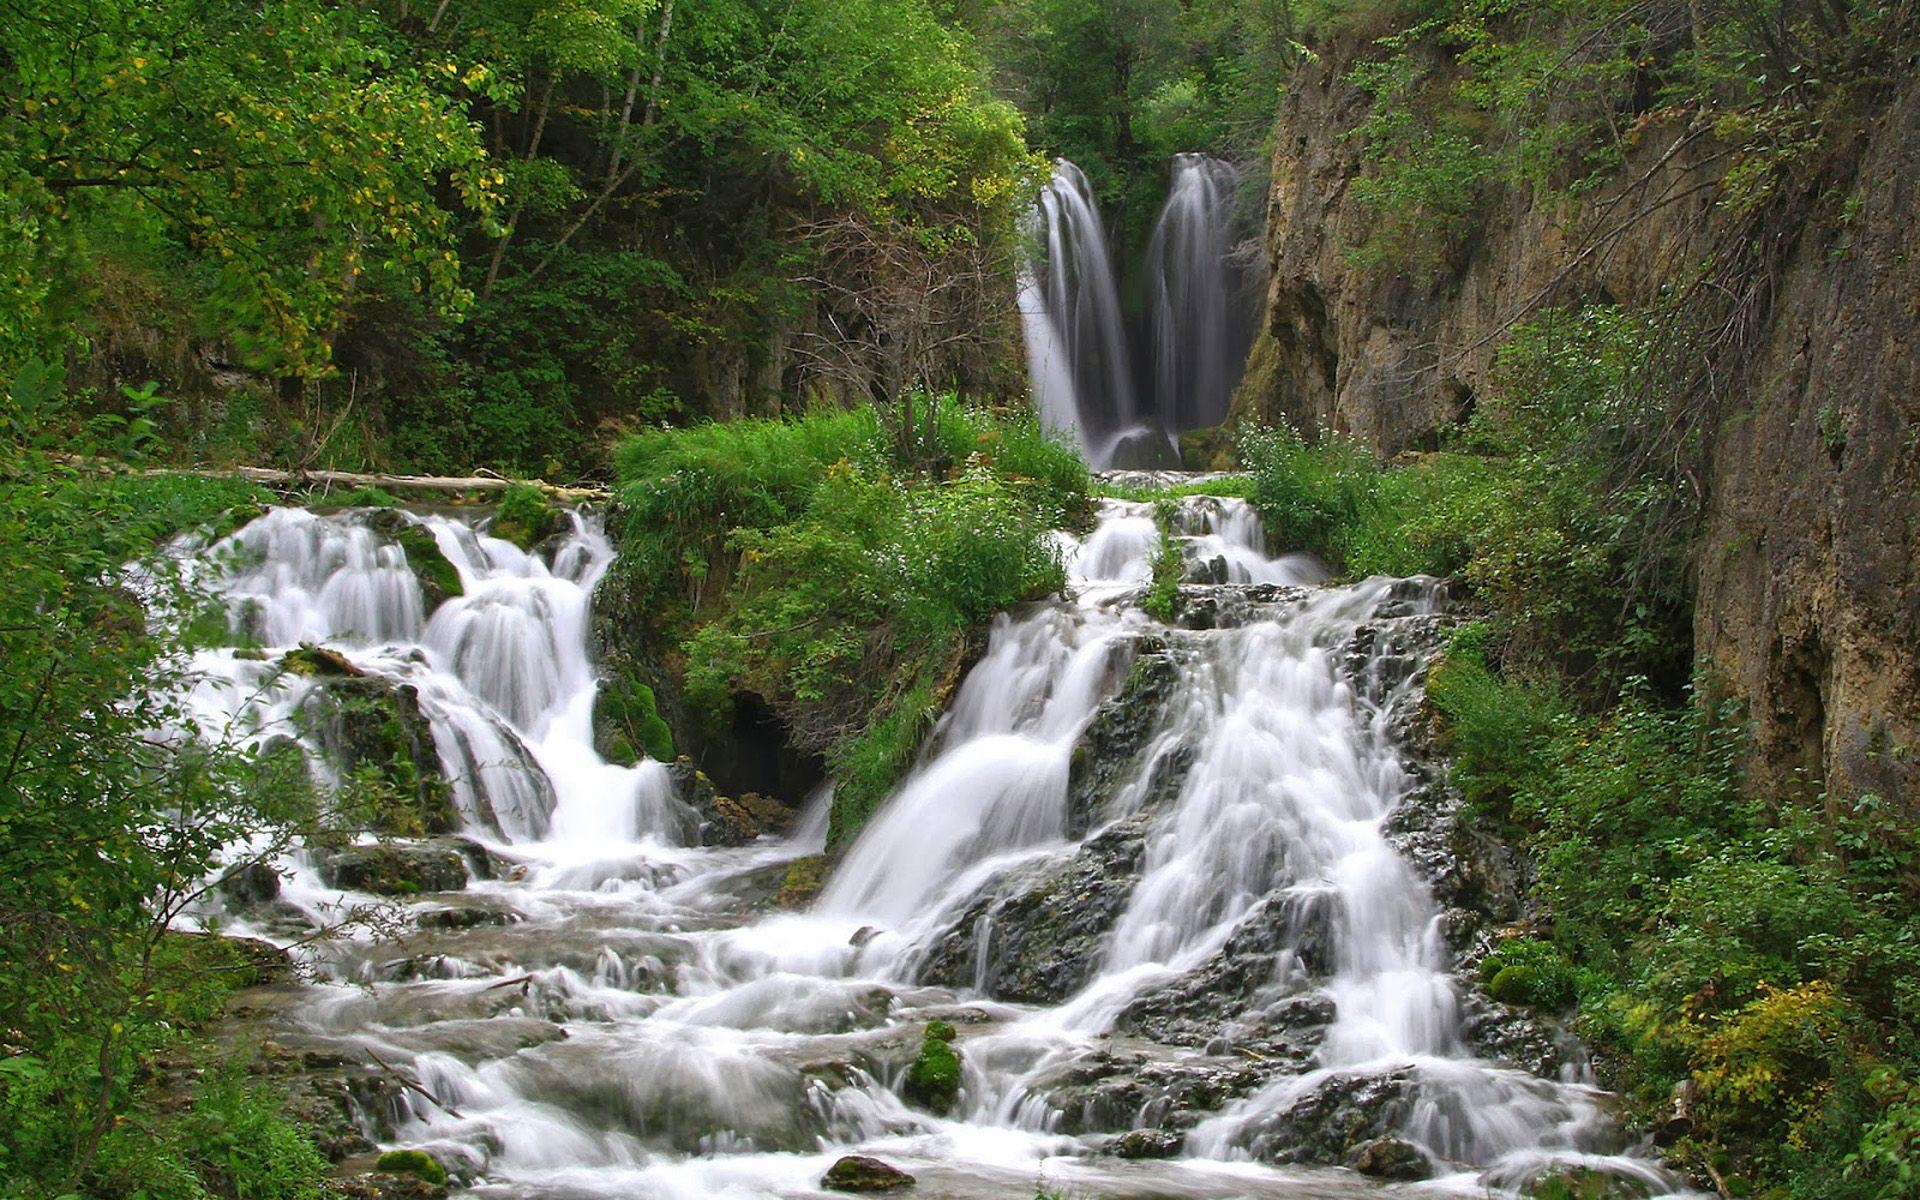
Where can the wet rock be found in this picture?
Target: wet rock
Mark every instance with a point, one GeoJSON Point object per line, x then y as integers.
{"type": "Point", "coordinates": [725, 820]}
{"type": "Point", "coordinates": [1230, 606]}
{"type": "Point", "coordinates": [1108, 754]}
{"type": "Point", "coordinates": [250, 884]}
{"type": "Point", "coordinates": [858, 1173]}
{"type": "Point", "coordinates": [471, 915]}
{"type": "Point", "coordinates": [1117, 1092]}
{"type": "Point", "coordinates": [1530, 1041]}
{"type": "Point", "coordinates": [374, 1185]}
{"type": "Point", "coordinates": [1335, 1117]}
{"type": "Point", "coordinates": [1390, 1158]}
{"type": "Point", "coordinates": [1147, 1143]}
{"type": "Point", "coordinates": [439, 578]}
{"type": "Point", "coordinates": [1038, 937]}
{"type": "Point", "coordinates": [393, 869]}
{"type": "Point", "coordinates": [373, 732]}
{"type": "Point", "coordinates": [1254, 992]}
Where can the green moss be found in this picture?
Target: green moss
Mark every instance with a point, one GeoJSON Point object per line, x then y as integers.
{"type": "Point", "coordinates": [439, 578]}
{"type": "Point", "coordinates": [933, 1081]}
{"type": "Point", "coordinates": [526, 517]}
{"type": "Point", "coordinates": [417, 1163]}
{"type": "Point", "coordinates": [627, 722]}
{"type": "Point", "coordinates": [802, 882]}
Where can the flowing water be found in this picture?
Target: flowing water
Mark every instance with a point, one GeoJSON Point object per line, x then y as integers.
{"type": "Point", "coordinates": [1154, 874]}
{"type": "Point", "coordinates": [1126, 388]}
{"type": "Point", "coordinates": [1198, 327]}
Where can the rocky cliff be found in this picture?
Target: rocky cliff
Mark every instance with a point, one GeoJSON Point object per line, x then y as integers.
{"type": "Point", "coordinates": [1808, 583]}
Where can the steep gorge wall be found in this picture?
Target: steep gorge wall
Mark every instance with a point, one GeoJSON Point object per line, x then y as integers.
{"type": "Point", "coordinates": [1809, 566]}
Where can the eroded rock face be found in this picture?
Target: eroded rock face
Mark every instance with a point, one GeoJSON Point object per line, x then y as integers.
{"type": "Point", "coordinates": [1039, 937]}
{"type": "Point", "coordinates": [1808, 600]}
{"type": "Point", "coordinates": [1335, 1118]}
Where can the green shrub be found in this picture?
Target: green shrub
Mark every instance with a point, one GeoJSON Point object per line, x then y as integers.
{"type": "Point", "coordinates": [1169, 567]}
{"type": "Point", "coordinates": [804, 562]}
{"type": "Point", "coordinates": [526, 517]}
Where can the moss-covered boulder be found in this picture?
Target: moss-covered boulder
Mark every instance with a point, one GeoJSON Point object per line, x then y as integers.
{"type": "Point", "coordinates": [439, 578]}
{"type": "Point", "coordinates": [417, 1163]}
{"type": "Point", "coordinates": [802, 882]}
{"type": "Point", "coordinates": [933, 1081]}
{"type": "Point", "coordinates": [526, 517]}
{"type": "Point", "coordinates": [859, 1174]}
{"type": "Point", "coordinates": [396, 870]}
{"type": "Point", "coordinates": [627, 722]}
{"type": "Point", "coordinates": [381, 743]}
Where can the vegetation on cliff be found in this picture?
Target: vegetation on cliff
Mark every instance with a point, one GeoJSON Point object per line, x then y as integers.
{"type": "Point", "coordinates": [1741, 951]}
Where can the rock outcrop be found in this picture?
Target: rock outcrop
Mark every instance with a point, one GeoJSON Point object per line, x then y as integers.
{"type": "Point", "coordinates": [1808, 597]}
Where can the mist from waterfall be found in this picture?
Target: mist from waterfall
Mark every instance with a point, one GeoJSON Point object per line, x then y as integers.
{"type": "Point", "coordinates": [1126, 389]}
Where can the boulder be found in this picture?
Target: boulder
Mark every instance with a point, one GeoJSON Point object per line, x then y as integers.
{"type": "Point", "coordinates": [858, 1173]}
{"type": "Point", "coordinates": [1390, 1158]}
{"type": "Point", "coordinates": [392, 869]}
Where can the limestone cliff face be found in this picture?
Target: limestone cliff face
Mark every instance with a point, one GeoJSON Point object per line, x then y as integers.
{"type": "Point", "coordinates": [1392, 356]}
{"type": "Point", "coordinates": [1809, 568]}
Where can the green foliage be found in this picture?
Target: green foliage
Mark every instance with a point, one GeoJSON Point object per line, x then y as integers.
{"type": "Point", "coordinates": [412, 1162]}
{"type": "Point", "coordinates": [106, 833]}
{"type": "Point", "coordinates": [804, 562]}
{"type": "Point", "coordinates": [218, 139]}
{"type": "Point", "coordinates": [628, 709]}
{"type": "Point", "coordinates": [1530, 973]}
{"type": "Point", "coordinates": [1169, 567]}
{"type": "Point", "coordinates": [526, 517]}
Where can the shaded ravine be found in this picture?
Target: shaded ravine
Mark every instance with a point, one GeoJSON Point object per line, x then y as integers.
{"type": "Point", "coordinates": [1152, 873]}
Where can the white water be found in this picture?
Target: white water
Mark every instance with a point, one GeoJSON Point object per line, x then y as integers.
{"type": "Point", "coordinates": [644, 1030]}
{"type": "Point", "coordinates": [1197, 314]}
{"type": "Point", "coordinates": [1191, 345]}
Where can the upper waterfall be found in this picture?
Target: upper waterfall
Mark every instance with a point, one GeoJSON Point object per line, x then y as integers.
{"type": "Point", "coordinates": [1127, 387]}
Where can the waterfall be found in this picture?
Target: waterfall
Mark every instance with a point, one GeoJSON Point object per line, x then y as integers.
{"type": "Point", "coordinates": [1197, 324]}
{"type": "Point", "coordinates": [1077, 352]}
{"type": "Point", "coordinates": [1084, 367]}
{"type": "Point", "coordinates": [1155, 873]}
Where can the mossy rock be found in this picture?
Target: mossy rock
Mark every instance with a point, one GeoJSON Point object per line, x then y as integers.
{"type": "Point", "coordinates": [376, 735]}
{"type": "Point", "coordinates": [526, 517]}
{"type": "Point", "coordinates": [1585, 1183]}
{"type": "Point", "coordinates": [390, 870]}
{"type": "Point", "coordinates": [439, 578]}
{"type": "Point", "coordinates": [627, 722]}
{"type": "Point", "coordinates": [859, 1174]}
{"type": "Point", "coordinates": [802, 882]}
{"type": "Point", "coordinates": [319, 662]}
{"type": "Point", "coordinates": [417, 1163]}
{"type": "Point", "coordinates": [933, 1081]}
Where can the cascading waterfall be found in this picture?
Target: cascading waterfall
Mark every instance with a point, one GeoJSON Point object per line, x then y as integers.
{"type": "Point", "coordinates": [1126, 398]}
{"type": "Point", "coordinates": [1197, 318]}
{"type": "Point", "coordinates": [1151, 872]}
{"type": "Point", "coordinates": [1070, 310]}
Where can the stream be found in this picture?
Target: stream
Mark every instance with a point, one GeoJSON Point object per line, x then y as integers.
{"type": "Point", "coordinates": [1177, 888]}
